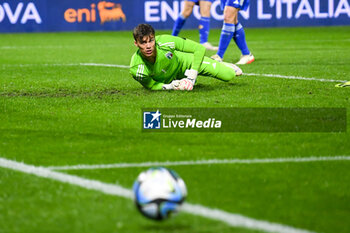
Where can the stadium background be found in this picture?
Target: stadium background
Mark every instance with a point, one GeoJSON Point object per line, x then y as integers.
{"type": "Point", "coordinates": [67, 99]}
{"type": "Point", "coordinates": [87, 15]}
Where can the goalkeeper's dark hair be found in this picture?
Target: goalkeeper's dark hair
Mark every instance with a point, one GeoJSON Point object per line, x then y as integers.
{"type": "Point", "coordinates": [142, 30]}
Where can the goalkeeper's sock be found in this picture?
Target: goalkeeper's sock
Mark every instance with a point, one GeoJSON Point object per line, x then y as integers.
{"type": "Point", "coordinates": [227, 32]}
{"type": "Point", "coordinates": [239, 38]}
{"type": "Point", "coordinates": [204, 29]}
{"type": "Point", "coordinates": [179, 23]}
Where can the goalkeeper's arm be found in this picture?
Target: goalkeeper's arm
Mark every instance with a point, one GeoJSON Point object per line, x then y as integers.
{"type": "Point", "coordinates": [188, 46]}
{"type": "Point", "coordinates": [198, 51]}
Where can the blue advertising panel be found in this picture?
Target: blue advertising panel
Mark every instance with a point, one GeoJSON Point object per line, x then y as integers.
{"type": "Point", "coordinates": [93, 15]}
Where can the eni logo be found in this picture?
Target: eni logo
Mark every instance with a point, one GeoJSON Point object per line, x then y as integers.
{"type": "Point", "coordinates": [108, 11]}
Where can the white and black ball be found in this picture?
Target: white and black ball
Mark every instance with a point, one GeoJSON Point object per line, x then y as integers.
{"type": "Point", "coordinates": [159, 192]}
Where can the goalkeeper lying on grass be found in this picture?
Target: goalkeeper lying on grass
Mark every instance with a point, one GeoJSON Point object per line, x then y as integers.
{"type": "Point", "coordinates": [172, 63]}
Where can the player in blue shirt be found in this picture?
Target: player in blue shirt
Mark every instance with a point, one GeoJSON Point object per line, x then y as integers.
{"type": "Point", "coordinates": [233, 29]}
{"type": "Point", "coordinates": [204, 6]}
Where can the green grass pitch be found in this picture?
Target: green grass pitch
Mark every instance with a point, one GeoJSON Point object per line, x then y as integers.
{"type": "Point", "coordinates": [55, 112]}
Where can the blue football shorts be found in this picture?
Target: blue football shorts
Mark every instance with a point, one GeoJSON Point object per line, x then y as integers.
{"type": "Point", "coordinates": [197, 1]}
{"type": "Point", "coordinates": [239, 4]}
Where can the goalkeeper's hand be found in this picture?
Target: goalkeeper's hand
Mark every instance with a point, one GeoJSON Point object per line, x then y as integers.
{"type": "Point", "coordinates": [174, 85]}
{"type": "Point", "coordinates": [183, 85]}
{"type": "Point", "coordinates": [191, 75]}
{"type": "Point", "coordinates": [186, 84]}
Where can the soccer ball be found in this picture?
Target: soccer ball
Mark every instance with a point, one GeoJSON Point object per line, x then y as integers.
{"type": "Point", "coordinates": [159, 192]}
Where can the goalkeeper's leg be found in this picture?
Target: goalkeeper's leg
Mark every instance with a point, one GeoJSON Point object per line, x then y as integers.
{"type": "Point", "coordinates": [219, 70]}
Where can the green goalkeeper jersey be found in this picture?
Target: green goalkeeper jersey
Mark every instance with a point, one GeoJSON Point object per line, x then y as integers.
{"type": "Point", "coordinates": [174, 56]}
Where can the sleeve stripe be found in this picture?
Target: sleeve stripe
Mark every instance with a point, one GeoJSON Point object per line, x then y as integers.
{"type": "Point", "coordinates": [140, 70]}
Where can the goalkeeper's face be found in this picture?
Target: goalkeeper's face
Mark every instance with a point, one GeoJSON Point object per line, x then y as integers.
{"type": "Point", "coordinates": [147, 46]}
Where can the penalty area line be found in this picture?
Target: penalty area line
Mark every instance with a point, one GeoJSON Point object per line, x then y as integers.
{"type": "Point", "coordinates": [200, 162]}
{"type": "Point", "coordinates": [294, 77]}
{"type": "Point", "coordinates": [235, 220]}
{"type": "Point", "coordinates": [105, 65]}
{"type": "Point", "coordinates": [248, 74]}
{"type": "Point", "coordinates": [127, 67]}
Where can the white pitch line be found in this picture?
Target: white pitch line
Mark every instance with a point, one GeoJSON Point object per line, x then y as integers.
{"type": "Point", "coordinates": [65, 178]}
{"type": "Point", "coordinates": [235, 220]}
{"type": "Point", "coordinates": [199, 162]}
{"type": "Point", "coordinates": [104, 65]}
{"type": "Point", "coordinates": [39, 64]}
{"type": "Point", "coordinates": [34, 47]}
{"type": "Point", "coordinates": [248, 74]}
{"type": "Point", "coordinates": [68, 64]}
{"type": "Point", "coordinates": [127, 67]}
{"type": "Point", "coordinates": [8, 47]}
{"type": "Point", "coordinates": [294, 77]}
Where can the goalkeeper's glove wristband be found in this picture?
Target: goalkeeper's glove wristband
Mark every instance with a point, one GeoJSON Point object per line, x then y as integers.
{"type": "Point", "coordinates": [191, 75]}
{"type": "Point", "coordinates": [167, 87]}
{"type": "Point", "coordinates": [174, 85]}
